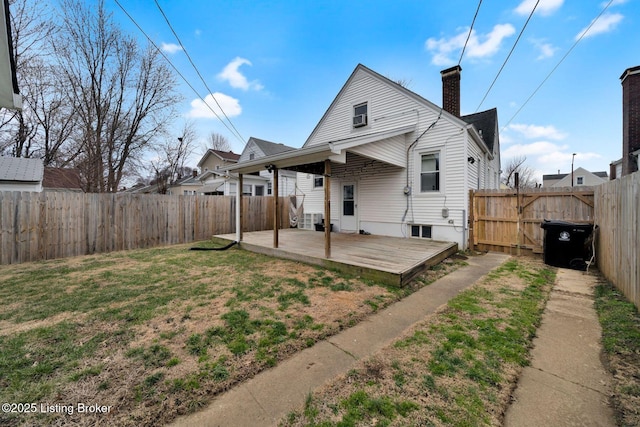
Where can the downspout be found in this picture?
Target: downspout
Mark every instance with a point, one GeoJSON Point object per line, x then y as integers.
{"type": "Point", "coordinates": [239, 209]}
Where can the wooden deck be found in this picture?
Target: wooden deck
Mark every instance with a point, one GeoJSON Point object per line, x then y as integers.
{"type": "Point", "coordinates": [392, 260]}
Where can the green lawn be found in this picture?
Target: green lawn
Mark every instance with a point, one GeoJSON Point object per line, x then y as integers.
{"type": "Point", "coordinates": [456, 368]}
{"type": "Point", "coordinates": [156, 333]}
{"type": "Point", "coordinates": [620, 322]}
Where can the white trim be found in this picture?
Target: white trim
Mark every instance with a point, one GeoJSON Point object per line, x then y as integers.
{"type": "Point", "coordinates": [418, 171]}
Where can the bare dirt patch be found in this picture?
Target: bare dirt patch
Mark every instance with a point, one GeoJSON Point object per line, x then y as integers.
{"type": "Point", "coordinates": [10, 328]}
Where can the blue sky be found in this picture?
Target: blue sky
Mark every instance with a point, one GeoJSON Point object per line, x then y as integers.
{"type": "Point", "coordinates": [275, 66]}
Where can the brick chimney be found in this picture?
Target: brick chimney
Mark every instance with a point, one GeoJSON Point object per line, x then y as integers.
{"type": "Point", "coordinates": [630, 118]}
{"type": "Point", "coordinates": [451, 90]}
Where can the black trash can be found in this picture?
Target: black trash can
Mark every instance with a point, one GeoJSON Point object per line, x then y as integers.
{"type": "Point", "coordinates": [566, 244]}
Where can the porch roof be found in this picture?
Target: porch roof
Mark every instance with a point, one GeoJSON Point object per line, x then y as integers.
{"type": "Point", "coordinates": [310, 159]}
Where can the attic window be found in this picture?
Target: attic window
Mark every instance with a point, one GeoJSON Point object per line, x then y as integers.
{"type": "Point", "coordinates": [252, 156]}
{"type": "Point", "coordinates": [360, 115]}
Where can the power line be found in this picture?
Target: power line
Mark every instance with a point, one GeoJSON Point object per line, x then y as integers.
{"type": "Point", "coordinates": [469, 35]}
{"type": "Point", "coordinates": [558, 64]}
{"type": "Point", "coordinates": [174, 67]}
{"type": "Point", "coordinates": [508, 56]}
{"type": "Point", "coordinates": [197, 71]}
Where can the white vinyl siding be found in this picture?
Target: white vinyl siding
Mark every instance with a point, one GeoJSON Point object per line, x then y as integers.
{"type": "Point", "coordinates": [391, 150]}
{"type": "Point", "coordinates": [387, 108]}
{"type": "Point", "coordinates": [251, 152]}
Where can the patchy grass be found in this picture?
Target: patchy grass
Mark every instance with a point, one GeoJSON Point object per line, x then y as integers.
{"type": "Point", "coordinates": [156, 333]}
{"type": "Point", "coordinates": [457, 367]}
{"type": "Point", "coordinates": [620, 322]}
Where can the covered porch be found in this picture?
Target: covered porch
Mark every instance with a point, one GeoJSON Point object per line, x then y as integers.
{"type": "Point", "coordinates": [392, 260]}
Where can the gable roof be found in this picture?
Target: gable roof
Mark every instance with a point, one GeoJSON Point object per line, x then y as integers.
{"type": "Point", "coordinates": [270, 148]}
{"type": "Point", "coordinates": [62, 178]}
{"type": "Point", "coordinates": [21, 169]}
{"type": "Point", "coordinates": [228, 156]}
{"type": "Point", "coordinates": [578, 170]}
{"type": "Point", "coordinates": [441, 112]}
{"type": "Point", "coordinates": [486, 123]}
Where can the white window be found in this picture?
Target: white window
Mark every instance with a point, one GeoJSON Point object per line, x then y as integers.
{"type": "Point", "coordinates": [318, 181]}
{"type": "Point", "coordinates": [232, 189]}
{"type": "Point", "coordinates": [430, 172]}
{"type": "Point", "coordinates": [423, 231]}
{"type": "Point", "coordinates": [360, 115]}
{"type": "Point", "coordinates": [259, 190]}
{"type": "Point", "coordinates": [246, 189]}
{"type": "Point", "coordinates": [269, 188]}
{"type": "Point", "coordinates": [580, 180]}
{"type": "Point", "coordinates": [252, 156]}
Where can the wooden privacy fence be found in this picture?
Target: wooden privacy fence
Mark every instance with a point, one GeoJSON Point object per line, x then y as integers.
{"type": "Point", "coordinates": [47, 225]}
{"type": "Point", "coordinates": [509, 221]}
{"type": "Point", "coordinates": [618, 238]}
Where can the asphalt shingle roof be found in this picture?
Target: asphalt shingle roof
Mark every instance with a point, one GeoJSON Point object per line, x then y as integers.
{"type": "Point", "coordinates": [270, 148]}
{"type": "Point", "coordinates": [21, 169]}
{"type": "Point", "coordinates": [485, 123]}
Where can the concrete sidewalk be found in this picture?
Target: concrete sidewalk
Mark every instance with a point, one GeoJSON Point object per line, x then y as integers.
{"type": "Point", "coordinates": [566, 384]}
{"type": "Point", "coordinates": [272, 394]}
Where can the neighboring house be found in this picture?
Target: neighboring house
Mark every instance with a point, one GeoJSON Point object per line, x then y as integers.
{"type": "Point", "coordinates": [212, 172]}
{"type": "Point", "coordinates": [187, 186]}
{"type": "Point", "coordinates": [257, 149]}
{"type": "Point", "coordinates": [581, 177]}
{"type": "Point", "coordinates": [629, 163]}
{"type": "Point", "coordinates": [219, 181]}
{"type": "Point", "coordinates": [21, 174]}
{"type": "Point", "coordinates": [143, 189]}
{"type": "Point", "coordinates": [62, 179]}
{"type": "Point", "coordinates": [398, 164]}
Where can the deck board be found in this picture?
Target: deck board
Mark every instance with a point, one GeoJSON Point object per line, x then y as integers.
{"type": "Point", "coordinates": [394, 260]}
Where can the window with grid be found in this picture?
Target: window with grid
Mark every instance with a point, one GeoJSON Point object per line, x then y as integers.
{"type": "Point", "coordinates": [430, 172]}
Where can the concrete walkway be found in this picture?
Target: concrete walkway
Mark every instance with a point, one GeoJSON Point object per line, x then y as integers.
{"type": "Point", "coordinates": [566, 384]}
{"type": "Point", "coordinates": [272, 394]}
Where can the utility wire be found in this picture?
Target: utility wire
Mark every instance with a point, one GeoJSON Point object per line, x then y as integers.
{"type": "Point", "coordinates": [508, 56]}
{"type": "Point", "coordinates": [197, 71]}
{"type": "Point", "coordinates": [584, 33]}
{"type": "Point", "coordinates": [469, 35]}
{"type": "Point", "coordinates": [173, 66]}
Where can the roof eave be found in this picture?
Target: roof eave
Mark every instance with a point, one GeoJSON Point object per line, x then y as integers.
{"type": "Point", "coordinates": [302, 156]}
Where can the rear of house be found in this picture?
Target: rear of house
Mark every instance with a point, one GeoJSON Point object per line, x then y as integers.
{"type": "Point", "coordinates": [408, 165]}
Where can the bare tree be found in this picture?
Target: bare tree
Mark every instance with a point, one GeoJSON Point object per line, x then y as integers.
{"type": "Point", "coordinates": [30, 32]}
{"type": "Point", "coordinates": [218, 142]}
{"type": "Point", "coordinates": [172, 154]}
{"type": "Point", "coordinates": [526, 174]}
{"type": "Point", "coordinates": [123, 95]}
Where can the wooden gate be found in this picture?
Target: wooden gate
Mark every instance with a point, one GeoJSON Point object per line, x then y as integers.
{"type": "Point", "coordinates": [509, 221]}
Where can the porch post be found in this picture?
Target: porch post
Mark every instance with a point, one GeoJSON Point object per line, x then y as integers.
{"type": "Point", "coordinates": [239, 215]}
{"type": "Point", "coordinates": [276, 210]}
{"type": "Point", "coordinates": [327, 208]}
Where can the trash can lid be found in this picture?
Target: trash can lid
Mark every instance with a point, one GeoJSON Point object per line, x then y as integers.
{"type": "Point", "coordinates": [551, 223]}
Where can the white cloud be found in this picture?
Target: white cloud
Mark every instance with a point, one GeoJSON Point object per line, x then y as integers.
{"type": "Point", "coordinates": [236, 79]}
{"type": "Point", "coordinates": [170, 48]}
{"type": "Point", "coordinates": [545, 7]}
{"type": "Point", "coordinates": [548, 158]}
{"type": "Point", "coordinates": [536, 132]}
{"type": "Point", "coordinates": [479, 46]}
{"type": "Point", "coordinates": [535, 149]}
{"type": "Point", "coordinates": [230, 105]}
{"type": "Point", "coordinates": [605, 23]}
{"type": "Point", "coordinates": [547, 50]}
